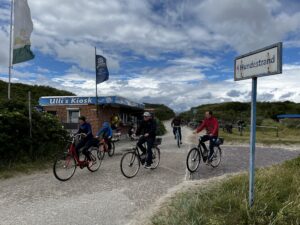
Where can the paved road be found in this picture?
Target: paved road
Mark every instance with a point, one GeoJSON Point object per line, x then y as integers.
{"type": "Point", "coordinates": [106, 197]}
{"type": "Point", "coordinates": [103, 197]}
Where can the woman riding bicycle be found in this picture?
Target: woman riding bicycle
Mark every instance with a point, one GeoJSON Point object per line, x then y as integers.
{"type": "Point", "coordinates": [87, 137]}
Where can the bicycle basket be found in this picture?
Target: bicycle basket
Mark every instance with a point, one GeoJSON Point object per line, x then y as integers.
{"type": "Point", "coordinates": [219, 141]}
{"type": "Point", "coordinates": [158, 141]}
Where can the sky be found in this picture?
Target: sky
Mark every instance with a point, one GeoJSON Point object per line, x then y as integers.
{"type": "Point", "coordinates": [174, 52]}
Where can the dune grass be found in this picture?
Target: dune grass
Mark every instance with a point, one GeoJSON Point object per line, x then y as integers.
{"type": "Point", "coordinates": [277, 200]}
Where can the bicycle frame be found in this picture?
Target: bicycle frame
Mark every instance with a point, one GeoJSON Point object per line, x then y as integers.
{"type": "Point", "coordinates": [72, 151]}
{"type": "Point", "coordinates": [103, 142]}
{"type": "Point", "coordinates": [202, 147]}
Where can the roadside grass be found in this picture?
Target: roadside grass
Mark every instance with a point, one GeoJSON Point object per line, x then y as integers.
{"type": "Point", "coordinates": [277, 200]}
{"type": "Point", "coordinates": [23, 168]}
{"type": "Point", "coordinates": [286, 136]}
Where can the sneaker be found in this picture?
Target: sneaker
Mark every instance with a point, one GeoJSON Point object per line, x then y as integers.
{"type": "Point", "coordinates": [209, 160]}
{"type": "Point", "coordinates": [147, 166]}
{"type": "Point", "coordinates": [180, 142]}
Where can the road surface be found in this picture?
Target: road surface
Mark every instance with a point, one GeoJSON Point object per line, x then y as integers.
{"type": "Point", "coordinates": [106, 197]}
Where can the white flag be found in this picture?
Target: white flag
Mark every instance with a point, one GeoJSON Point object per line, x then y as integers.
{"type": "Point", "coordinates": [23, 28]}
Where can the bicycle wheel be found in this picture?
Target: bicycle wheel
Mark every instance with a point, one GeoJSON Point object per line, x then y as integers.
{"type": "Point", "coordinates": [101, 152]}
{"type": "Point", "coordinates": [111, 152]}
{"type": "Point", "coordinates": [177, 139]}
{"type": "Point", "coordinates": [95, 164]}
{"type": "Point", "coordinates": [64, 167]}
{"type": "Point", "coordinates": [216, 157]}
{"type": "Point", "coordinates": [193, 159]}
{"type": "Point", "coordinates": [130, 164]}
{"type": "Point", "coordinates": [155, 157]}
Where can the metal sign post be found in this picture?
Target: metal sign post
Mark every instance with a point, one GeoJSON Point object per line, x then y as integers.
{"type": "Point", "coordinates": [252, 141]}
{"type": "Point", "coordinates": [263, 62]}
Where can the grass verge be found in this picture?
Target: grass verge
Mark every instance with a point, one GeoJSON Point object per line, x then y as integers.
{"type": "Point", "coordinates": [23, 168]}
{"type": "Point", "coordinates": [277, 200]}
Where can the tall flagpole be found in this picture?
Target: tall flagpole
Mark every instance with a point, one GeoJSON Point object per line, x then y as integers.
{"type": "Point", "coordinates": [10, 49]}
{"type": "Point", "coordinates": [96, 80]}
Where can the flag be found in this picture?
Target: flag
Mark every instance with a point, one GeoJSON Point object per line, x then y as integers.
{"type": "Point", "coordinates": [102, 73]}
{"type": "Point", "coordinates": [22, 30]}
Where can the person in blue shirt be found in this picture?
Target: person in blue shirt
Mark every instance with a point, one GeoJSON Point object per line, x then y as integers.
{"type": "Point", "coordinates": [106, 133]}
{"type": "Point", "coordinates": [87, 137]}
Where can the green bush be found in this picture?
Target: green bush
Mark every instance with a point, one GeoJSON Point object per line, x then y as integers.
{"type": "Point", "coordinates": [231, 112]}
{"type": "Point", "coordinates": [161, 111]}
{"type": "Point", "coordinates": [17, 146]}
{"type": "Point", "coordinates": [161, 129]}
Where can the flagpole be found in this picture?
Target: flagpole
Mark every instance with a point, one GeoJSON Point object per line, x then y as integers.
{"type": "Point", "coordinates": [96, 81]}
{"type": "Point", "coordinates": [10, 50]}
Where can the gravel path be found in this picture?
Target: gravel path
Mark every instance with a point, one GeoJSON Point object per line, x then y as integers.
{"type": "Point", "coordinates": [106, 196]}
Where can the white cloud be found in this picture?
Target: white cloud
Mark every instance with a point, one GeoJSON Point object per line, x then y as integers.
{"type": "Point", "coordinates": [198, 32]}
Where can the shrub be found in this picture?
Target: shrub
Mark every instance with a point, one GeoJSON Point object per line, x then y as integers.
{"type": "Point", "coordinates": [161, 129]}
{"type": "Point", "coordinates": [17, 146]}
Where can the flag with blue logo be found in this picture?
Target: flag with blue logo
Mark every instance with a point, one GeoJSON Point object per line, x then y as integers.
{"type": "Point", "coordinates": [102, 73]}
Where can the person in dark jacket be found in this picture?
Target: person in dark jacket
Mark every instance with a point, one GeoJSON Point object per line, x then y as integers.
{"type": "Point", "coordinates": [147, 129]}
{"type": "Point", "coordinates": [176, 124]}
{"type": "Point", "coordinates": [87, 137]}
{"type": "Point", "coordinates": [210, 123]}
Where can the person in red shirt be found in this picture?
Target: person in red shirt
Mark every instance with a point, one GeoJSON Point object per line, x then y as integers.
{"type": "Point", "coordinates": [210, 123]}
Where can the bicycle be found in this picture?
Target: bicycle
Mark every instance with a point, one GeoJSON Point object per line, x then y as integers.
{"type": "Point", "coordinates": [103, 148]}
{"type": "Point", "coordinates": [131, 161]}
{"type": "Point", "coordinates": [195, 154]}
{"type": "Point", "coordinates": [65, 164]}
{"type": "Point", "coordinates": [177, 135]}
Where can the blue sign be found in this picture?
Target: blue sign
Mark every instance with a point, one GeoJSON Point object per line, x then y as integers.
{"type": "Point", "coordinates": [115, 100]}
{"type": "Point", "coordinates": [102, 73]}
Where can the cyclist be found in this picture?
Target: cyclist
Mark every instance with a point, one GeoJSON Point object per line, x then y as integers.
{"type": "Point", "coordinates": [87, 137]}
{"type": "Point", "coordinates": [106, 133]}
{"type": "Point", "coordinates": [147, 128]}
{"type": "Point", "coordinates": [210, 123]}
{"type": "Point", "coordinates": [176, 124]}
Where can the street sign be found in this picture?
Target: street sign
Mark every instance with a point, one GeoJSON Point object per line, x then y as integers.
{"type": "Point", "coordinates": [262, 62]}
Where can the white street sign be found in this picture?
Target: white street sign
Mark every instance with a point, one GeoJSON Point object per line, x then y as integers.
{"type": "Point", "coordinates": [262, 62]}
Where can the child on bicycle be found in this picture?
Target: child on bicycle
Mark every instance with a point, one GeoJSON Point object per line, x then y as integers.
{"type": "Point", "coordinates": [106, 133]}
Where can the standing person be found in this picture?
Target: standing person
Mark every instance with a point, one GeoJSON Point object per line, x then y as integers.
{"type": "Point", "coordinates": [106, 133]}
{"type": "Point", "coordinates": [87, 137]}
{"type": "Point", "coordinates": [147, 129]}
{"type": "Point", "coordinates": [176, 124]}
{"type": "Point", "coordinates": [210, 123]}
{"type": "Point", "coordinates": [114, 121]}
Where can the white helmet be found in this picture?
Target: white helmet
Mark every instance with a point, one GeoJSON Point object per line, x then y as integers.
{"type": "Point", "coordinates": [147, 114]}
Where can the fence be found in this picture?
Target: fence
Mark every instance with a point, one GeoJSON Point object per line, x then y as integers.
{"type": "Point", "coordinates": [241, 129]}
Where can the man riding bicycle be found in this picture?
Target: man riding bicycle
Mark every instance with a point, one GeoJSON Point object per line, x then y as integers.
{"type": "Point", "coordinates": [106, 133]}
{"type": "Point", "coordinates": [210, 123]}
{"type": "Point", "coordinates": [147, 129]}
{"type": "Point", "coordinates": [176, 124]}
{"type": "Point", "coordinates": [87, 137]}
